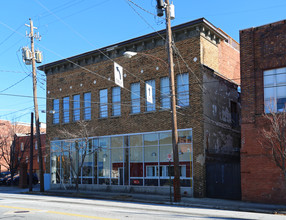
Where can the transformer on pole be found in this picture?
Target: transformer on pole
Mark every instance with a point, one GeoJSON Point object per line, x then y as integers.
{"type": "Point", "coordinates": [161, 7]}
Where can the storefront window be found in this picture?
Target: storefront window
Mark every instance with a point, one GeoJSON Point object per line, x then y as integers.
{"type": "Point", "coordinates": [140, 159]}
{"type": "Point", "coordinates": [74, 159]}
{"type": "Point", "coordinates": [65, 174]}
{"type": "Point", "coordinates": [104, 161]}
{"type": "Point", "coordinates": [135, 140]}
{"type": "Point", "coordinates": [55, 162]}
{"type": "Point", "coordinates": [116, 160]}
{"type": "Point", "coordinates": [87, 166]}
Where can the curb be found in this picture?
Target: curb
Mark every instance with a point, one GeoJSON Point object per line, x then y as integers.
{"type": "Point", "coordinates": [130, 198]}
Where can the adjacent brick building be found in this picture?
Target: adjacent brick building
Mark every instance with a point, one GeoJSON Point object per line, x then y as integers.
{"type": "Point", "coordinates": [263, 63]}
{"type": "Point", "coordinates": [22, 146]}
{"type": "Point", "coordinates": [132, 138]}
{"type": "Point", "coordinates": [9, 136]}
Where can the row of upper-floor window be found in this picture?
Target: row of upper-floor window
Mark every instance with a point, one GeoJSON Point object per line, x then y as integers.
{"type": "Point", "coordinates": [182, 97]}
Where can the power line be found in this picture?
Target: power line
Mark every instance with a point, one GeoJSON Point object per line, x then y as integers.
{"type": "Point", "coordinates": [10, 35]}
{"type": "Point", "coordinates": [12, 71]}
{"type": "Point", "coordinates": [78, 12]}
{"type": "Point", "coordinates": [143, 9]}
{"type": "Point", "coordinates": [91, 45]}
{"type": "Point", "coordinates": [15, 83]}
{"type": "Point", "coordinates": [16, 111]}
{"type": "Point", "coordinates": [176, 50]}
{"type": "Point", "coordinates": [60, 8]}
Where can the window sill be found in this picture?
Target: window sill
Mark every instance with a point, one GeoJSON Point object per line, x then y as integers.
{"type": "Point", "coordinates": [115, 116]}
{"type": "Point", "coordinates": [103, 118]}
{"type": "Point", "coordinates": [149, 112]}
{"type": "Point", "coordinates": [137, 113]}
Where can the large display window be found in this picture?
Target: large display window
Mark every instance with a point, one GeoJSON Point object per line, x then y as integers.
{"type": "Point", "coordinates": [130, 159]}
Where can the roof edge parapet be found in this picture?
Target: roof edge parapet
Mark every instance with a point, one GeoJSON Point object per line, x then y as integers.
{"type": "Point", "coordinates": [200, 25]}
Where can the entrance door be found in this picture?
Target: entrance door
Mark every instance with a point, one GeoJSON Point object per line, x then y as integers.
{"type": "Point", "coordinates": [223, 180]}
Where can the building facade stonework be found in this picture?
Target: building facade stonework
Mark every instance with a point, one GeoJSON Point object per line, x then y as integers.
{"type": "Point", "coordinates": [263, 61]}
{"type": "Point", "coordinates": [204, 91]}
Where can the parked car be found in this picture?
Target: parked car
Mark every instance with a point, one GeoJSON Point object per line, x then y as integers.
{"type": "Point", "coordinates": [4, 179]}
{"type": "Point", "coordinates": [2, 174]}
{"type": "Point", "coordinates": [16, 180]}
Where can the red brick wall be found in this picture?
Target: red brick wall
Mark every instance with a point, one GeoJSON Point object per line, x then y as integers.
{"type": "Point", "coordinates": [261, 48]}
{"type": "Point", "coordinates": [26, 153]}
{"type": "Point", "coordinates": [261, 180]}
{"type": "Point", "coordinates": [229, 62]}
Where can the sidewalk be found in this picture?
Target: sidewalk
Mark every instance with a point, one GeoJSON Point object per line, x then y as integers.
{"type": "Point", "coordinates": [233, 205]}
{"type": "Point", "coordinates": [157, 199]}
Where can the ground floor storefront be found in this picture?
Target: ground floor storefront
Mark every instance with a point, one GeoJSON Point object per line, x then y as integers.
{"type": "Point", "coordinates": [138, 160]}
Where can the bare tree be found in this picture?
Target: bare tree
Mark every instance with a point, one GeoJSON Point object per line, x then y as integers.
{"type": "Point", "coordinates": [10, 156]}
{"type": "Point", "coordinates": [274, 139]}
{"type": "Point", "coordinates": [75, 149]}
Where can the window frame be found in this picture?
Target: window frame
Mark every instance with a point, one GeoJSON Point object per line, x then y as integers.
{"type": "Point", "coordinates": [116, 101]}
{"type": "Point", "coordinates": [66, 109]}
{"type": "Point", "coordinates": [76, 108]}
{"type": "Point", "coordinates": [103, 104]}
{"type": "Point", "coordinates": [56, 111]}
{"type": "Point", "coordinates": [165, 96]}
{"type": "Point", "coordinates": [135, 98]}
{"type": "Point", "coordinates": [150, 107]}
{"type": "Point", "coordinates": [181, 82]}
{"type": "Point", "coordinates": [87, 106]}
{"type": "Point", "coordinates": [275, 85]}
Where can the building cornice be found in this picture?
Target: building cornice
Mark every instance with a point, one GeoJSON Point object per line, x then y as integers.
{"type": "Point", "coordinates": [199, 27]}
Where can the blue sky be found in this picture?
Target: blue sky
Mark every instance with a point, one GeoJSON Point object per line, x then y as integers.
{"type": "Point", "coordinates": [72, 27]}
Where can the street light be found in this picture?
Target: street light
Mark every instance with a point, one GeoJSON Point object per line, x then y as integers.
{"type": "Point", "coordinates": [176, 182]}
{"type": "Point", "coordinates": [129, 54]}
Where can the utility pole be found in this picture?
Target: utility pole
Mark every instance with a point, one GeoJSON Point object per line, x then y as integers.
{"type": "Point", "coordinates": [38, 134]}
{"type": "Point", "coordinates": [31, 153]}
{"type": "Point", "coordinates": [177, 191]}
{"type": "Point", "coordinates": [176, 181]}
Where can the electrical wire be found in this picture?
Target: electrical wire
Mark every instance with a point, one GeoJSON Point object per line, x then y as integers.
{"type": "Point", "coordinates": [7, 38]}
{"type": "Point", "coordinates": [78, 12]}
{"type": "Point", "coordinates": [143, 9]}
{"type": "Point", "coordinates": [91, 45]}
{"type": "Point", "coordinates": [9, 87]}
{"type": "Point", "coordinates": [176, 50]}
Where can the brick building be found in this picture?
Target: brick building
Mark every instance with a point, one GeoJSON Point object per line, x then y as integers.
{"type": "Point", "coordinates": [9, 133]}
{"type": "Point", "coordinates": [132, 138]}
{"type": "Point", "coordinates": [22, 146]}
{"type": "Point", "coordinates": [263, 62]}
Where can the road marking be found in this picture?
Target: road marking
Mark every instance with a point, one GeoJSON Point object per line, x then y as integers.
{"type": "Point", "coordinates": [59, 213]}
{"type": "Point", "coordinates": [81, 216]}
{"type": "Point", "coordinates": [13, 207]}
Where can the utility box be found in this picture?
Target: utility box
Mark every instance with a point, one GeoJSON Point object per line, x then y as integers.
{"type": "Point", "coordinates": [47, 181]}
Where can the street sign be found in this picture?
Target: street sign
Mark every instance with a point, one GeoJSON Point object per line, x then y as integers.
{"type": "Point", "coordinates": [149, 93]}
{"type": "Point", "coordinates": [169, 157]}
{"type": "Point", "coordinates": [118, 74]}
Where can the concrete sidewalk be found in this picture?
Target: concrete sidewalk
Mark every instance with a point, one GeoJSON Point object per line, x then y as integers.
{"type": "Point", "coordinates": [165, 199]}
{"type": "Point", "coordinates": [233, 205]}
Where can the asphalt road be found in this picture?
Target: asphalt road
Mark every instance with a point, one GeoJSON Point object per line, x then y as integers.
{"type": "Point", "coordinates": [24, 206]}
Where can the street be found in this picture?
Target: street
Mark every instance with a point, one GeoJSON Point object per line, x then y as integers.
{"type": "Point", "coordinates": [24, 206]}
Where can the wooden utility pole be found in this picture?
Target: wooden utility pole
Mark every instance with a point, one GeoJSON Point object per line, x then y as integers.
{"type": "Point", "coordinates": [176, 181]}
{"type": "Point", "coordinates": [31, 153]}
{"type": "Point", "coordinates": [38, 134]}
